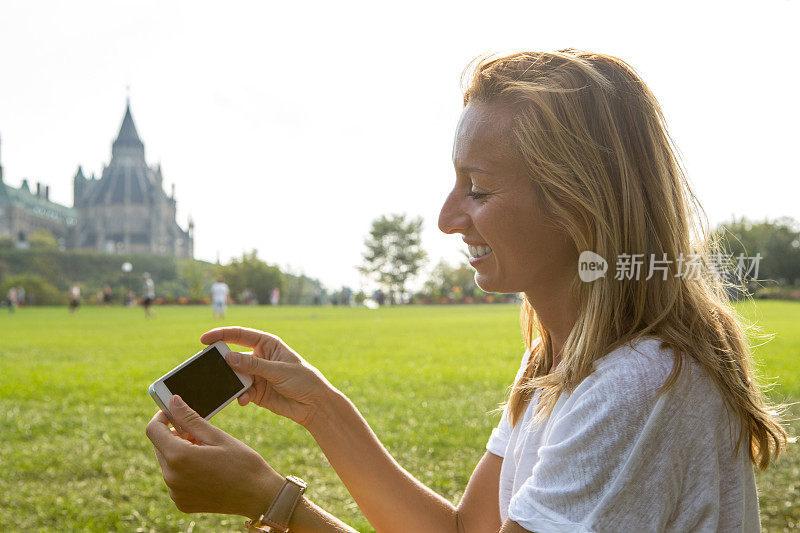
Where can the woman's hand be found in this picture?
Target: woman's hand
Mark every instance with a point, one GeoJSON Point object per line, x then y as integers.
{"type": "Point", "coordinates": [283, 382]}
{"type": "Point", "coordinates": [207, 470]}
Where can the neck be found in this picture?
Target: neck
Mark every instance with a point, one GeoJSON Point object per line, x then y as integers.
{"type": "Point", "coordinates": [556, 312]}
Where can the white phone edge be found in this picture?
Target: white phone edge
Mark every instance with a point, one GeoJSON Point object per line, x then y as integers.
{"type": "Point", "coordinates": [162, 395]}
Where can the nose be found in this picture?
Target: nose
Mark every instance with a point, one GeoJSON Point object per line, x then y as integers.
{"type": "Point", "coordinates": [452, 217]}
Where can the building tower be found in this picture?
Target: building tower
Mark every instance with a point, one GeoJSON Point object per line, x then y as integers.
{"type": "Point", "coordinates": [127, 210]}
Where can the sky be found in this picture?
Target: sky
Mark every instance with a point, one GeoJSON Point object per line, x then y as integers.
{"type": "Point", "coordinates": [288, 127]}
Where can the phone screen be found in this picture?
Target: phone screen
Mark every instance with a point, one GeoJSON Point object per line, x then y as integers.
{"type": "Point", "coordinates": [205, 383]}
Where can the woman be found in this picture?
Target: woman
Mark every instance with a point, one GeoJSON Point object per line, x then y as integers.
{"type": "Point", "coordinates": [634, 408]}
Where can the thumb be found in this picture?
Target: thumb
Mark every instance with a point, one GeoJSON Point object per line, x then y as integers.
{"type": "Point", "coordinates": [191, 422]}
{"type": "Point", "coordinates": [256, 366]}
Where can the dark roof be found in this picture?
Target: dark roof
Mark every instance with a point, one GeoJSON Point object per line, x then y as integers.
{"type": "Point", "coordinates": [121, 180]}
{"type": "Point", "coordinates": [37, 205]}
{"type": "Point", "coordinates": [127, 179]}
{"type": "Point", "coordinates": [127, 132]}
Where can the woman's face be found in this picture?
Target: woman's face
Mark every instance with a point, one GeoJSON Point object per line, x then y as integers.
{"type": "Point", "coordinates": [495, 207]}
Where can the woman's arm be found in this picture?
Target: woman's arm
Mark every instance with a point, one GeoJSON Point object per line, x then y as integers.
{"type": "Point", "coordinates": [513, 527]}
{"type": "Point", "coordinates": [208, 470]}
{"type": "Point", "coordinates": [390, 498]}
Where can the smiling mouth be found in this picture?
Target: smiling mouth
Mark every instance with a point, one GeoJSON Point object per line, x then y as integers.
{"type": "Point", "coordinates": [476, 252]}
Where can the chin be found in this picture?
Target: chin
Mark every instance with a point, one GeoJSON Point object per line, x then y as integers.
{"type": "Point", "coordinates": [487, 284]}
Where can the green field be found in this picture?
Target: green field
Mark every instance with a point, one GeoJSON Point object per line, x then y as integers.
{"type": "Point", "coordinates": [74, 404]}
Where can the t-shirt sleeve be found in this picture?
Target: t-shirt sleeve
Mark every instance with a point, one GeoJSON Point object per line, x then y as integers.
{"type": "Point", "coordinates": [498, 441]}
{"type": "Point", "coordinates": [609, 461]}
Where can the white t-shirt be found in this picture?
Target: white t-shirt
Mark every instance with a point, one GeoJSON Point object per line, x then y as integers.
{"type": "Point", "coordinates": [149, 288]}
{"type": "Point", "coordinates": [219, 292]}
{"type": "Point", "coordinates": [613, 457]}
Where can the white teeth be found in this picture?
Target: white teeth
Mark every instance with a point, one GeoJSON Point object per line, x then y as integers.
{"type": "Point", "coordinates": [478, 251]}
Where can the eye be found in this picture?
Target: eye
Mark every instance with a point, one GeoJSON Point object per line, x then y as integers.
{"type": "Point", "coordinates": [477, 195]}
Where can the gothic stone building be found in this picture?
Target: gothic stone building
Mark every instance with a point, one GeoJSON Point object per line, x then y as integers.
{"type": "Point", "coordinates": [23, 212]}
{"type": "Point", "coordinates": [124, 211]}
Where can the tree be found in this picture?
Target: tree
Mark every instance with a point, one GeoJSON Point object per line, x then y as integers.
{"type": "Point", "coordinates": [300, 289]}
{"type": "Point", "coordinates": [777, 241]}
{"type": "Point", "coordinates": [456, 281]}
{"type": "Point", "coordinates": [43, 239]}
{"type": "Point", "coordinates": [250, 272]}
{"type": "Point", "coordinates": [394, 252]}
{"type": "Point", "coordinates": [196, 278]}
{"type": "Point", "coordinates": [37, 290]}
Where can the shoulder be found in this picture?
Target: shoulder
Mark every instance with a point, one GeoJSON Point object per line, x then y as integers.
{"type": "Point", "coordinates": [632, 376]}
{"type": "Point", "coordinates": [641, 364]}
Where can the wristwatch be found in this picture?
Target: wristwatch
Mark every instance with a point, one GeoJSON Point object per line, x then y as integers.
{"type": "Point", "coordinates": [277, 516]}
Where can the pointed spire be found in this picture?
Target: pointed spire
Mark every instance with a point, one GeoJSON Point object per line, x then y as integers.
{"type": "Point", "coordinates": [79, 174]}
{"type": "Point", "coordinates": [127, 132]}
{"type": "Point", "coordinates": [128, 141]}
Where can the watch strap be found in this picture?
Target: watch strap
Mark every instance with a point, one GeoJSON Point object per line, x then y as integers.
{"type": "Point", "coordinates": [282, 507]}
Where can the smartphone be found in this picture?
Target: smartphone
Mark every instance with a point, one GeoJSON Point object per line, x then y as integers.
{"type": "Point", "coordinates": [205, 381]}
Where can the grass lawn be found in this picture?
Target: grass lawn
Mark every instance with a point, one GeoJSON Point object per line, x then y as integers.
{"type": "Point", "coordinates": [74, 404]}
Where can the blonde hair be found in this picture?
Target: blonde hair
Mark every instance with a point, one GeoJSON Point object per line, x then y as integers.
{"type": "Point", "coordinates": [595, 142]}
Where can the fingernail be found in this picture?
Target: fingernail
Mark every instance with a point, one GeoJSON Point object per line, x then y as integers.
{"type": "Point", "coordinates": [234, 358]}
{"type": "Point", "coordinates": [178, 401]}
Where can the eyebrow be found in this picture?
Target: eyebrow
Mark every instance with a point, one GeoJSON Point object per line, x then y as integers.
{"type": "Point", "coordinates": [473, 169]}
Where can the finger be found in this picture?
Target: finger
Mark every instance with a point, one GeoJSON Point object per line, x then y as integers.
{"type": "Point", "coordinates": [258, 391]}
{"type": "Point", "coordinates": [190, 421]}
{"type": "Point", "coordinates": [185, 436]}
{"type": "Point", "coordinates": [256, 366]}
{"type": "Point", "coordinates": [236, 335]}
{"type": "Point", "coordinates": [158, 431]}
{"type": "Point", "coordinates": [247, 396]}
{"type": "Point", "coordinates": [162, 462]}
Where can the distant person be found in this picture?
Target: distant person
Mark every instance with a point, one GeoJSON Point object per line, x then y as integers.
{"type": "Point", "coordinates": [130, 299]}
{"type": "Point", "coordinates": [21, 301]}
{"type": "Point", "coordinates": [106, 296]}
{"type": "Point", "coordinates": [251, 297]}
{"type": "Point", "coordinates": [220, 294]}
{"type": "Point", "coordinates": [275, 296]}
{"type": "Point", "coordinates": [347, 295]}
{"type": "Point", "coordinates": [149, 292]}
{"type": "Point", "coordinates": [11, 299]}
{"type": "Point", "coordinates": [74, 298]}
{"type": "Point", "coordinates": [247, 297]}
